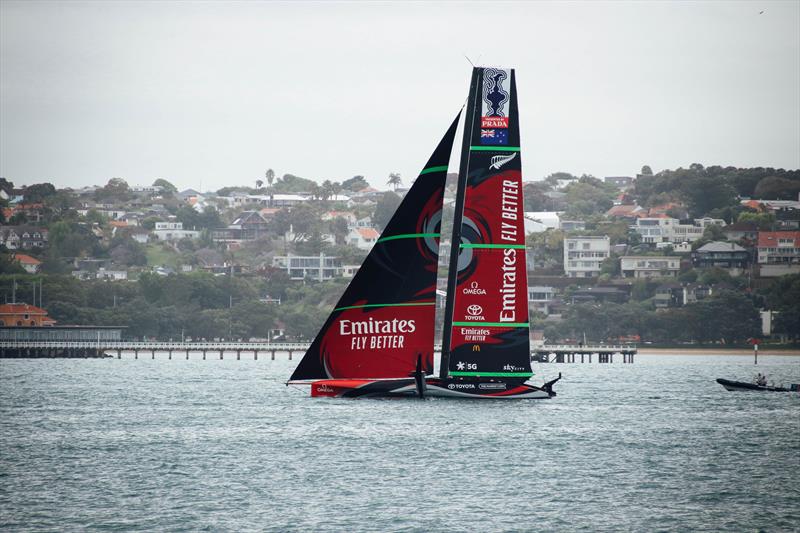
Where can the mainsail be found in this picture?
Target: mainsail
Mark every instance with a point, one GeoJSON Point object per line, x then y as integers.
{"type": "Point", "coordinates": [486, 320]}
{"type": "Point", "coordinates": [385, 319]}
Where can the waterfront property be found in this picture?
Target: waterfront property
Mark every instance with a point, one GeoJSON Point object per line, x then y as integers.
{"type": "Point", "coordinates": [24, 316]}
{"type": "Point", "coordinates": [583, 255]}
{"type": "Point", "coordinates": [634, 266]}
{"type": "Point", "coordinates": [778, 253]}
{"type": "Point", "coordinates": [318, 268]}
{"type": "Point", "coordinates": [727, 255]}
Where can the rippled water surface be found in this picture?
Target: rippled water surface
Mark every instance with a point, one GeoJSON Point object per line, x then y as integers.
{"type": "Point", "coordinates": [224, 445]}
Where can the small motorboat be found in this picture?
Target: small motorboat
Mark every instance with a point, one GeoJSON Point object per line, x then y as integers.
{"type": "Point", "coordinates": [743, 385]}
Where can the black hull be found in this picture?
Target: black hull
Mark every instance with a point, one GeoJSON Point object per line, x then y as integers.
{"type": "Point", "coordinates": [742, 385]}
{"type": "Point", "coordinates": [435, 387]}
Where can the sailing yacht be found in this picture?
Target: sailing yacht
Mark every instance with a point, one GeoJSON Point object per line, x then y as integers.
{"type": "Point", "coordinates": [379, 339]}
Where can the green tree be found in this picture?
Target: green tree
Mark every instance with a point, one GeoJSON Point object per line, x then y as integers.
{"type": "Point", "coordinates": [764, 221]}
{"type": "Point", "coordinates": [385, 209]}
{"type": "Point", "coordinates": [355, 184]}
{"type": "Point", "coordinates": [38, 192]}
{"type": "Point", "coordinates": [777, 188]}
{"type": "Point", "coordinates": [705, 193]}
{"type": "Point", "coordinates": [166, 186]}
{"type": "Point", "coordinates": [395, 180]}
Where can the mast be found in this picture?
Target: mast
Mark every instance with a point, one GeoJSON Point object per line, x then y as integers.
{"type": "Point", "coordinates": [455, 241]}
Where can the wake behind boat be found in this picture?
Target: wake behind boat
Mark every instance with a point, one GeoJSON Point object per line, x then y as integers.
{"type": "Point", "coordinates": [743, 385]}
{"type": "Point", "coordinates": [378, 341]}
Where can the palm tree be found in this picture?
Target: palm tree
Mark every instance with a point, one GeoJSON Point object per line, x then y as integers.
{"type": "Point", "coordinates": [395, 180]}
{"type": "Point", "coordinates": [270, 175]}
{"type": "Point", "coordinates": [327, 189]}
{"type": "Point", "coordinates": [259, 183]}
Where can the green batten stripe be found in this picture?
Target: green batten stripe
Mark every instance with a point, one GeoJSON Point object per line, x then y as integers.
{"type": "Point", "coordinates": [468, 245]}
{"type": "Point", "coordinates": [383, 305]}
{"type": "Point", "coordinates": [433, 169]}
{"type": "Point", "coordinates": [495, 324]}
{"type": "Point", "coordinates": [407, 236]}
{"type": "Point", "coordinates": [493, 374]}
{"type": "Point", "coordinates": [494, 148]}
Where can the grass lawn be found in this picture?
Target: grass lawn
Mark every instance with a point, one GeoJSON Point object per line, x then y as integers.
{"type": "Point", "coordinates": [158, 255]}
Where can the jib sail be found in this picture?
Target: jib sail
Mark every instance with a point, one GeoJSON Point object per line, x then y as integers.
{"type": "Point", "coordinates": [385, 319]}
{"type": "Point", "coordinates": [486, 328]}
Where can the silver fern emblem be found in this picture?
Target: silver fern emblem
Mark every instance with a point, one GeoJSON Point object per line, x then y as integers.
{"type": "Point", "coordinates": [500, 160]}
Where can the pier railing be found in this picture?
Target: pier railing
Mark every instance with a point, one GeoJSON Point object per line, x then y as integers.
{"type": "Point", "coordinates": [559, 353]}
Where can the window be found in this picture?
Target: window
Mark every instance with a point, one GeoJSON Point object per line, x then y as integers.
{"type": "Point", "coordinates": [586, 245]}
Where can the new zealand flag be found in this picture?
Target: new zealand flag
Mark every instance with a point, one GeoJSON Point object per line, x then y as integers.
{"type": "Point", "coordinates": [494, 136]}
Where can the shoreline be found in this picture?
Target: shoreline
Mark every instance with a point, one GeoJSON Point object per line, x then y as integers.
{"type": "Point", "coordinates": [644, 350]}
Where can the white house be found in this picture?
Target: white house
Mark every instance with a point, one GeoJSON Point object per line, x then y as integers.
{"type": "Point", "coordinates": [319, 268]}
{"type": "Point", "coordinates": [666, 229]}
{"type": "Point", "coordinates": [634, 266]}
{"type": "Point", "coordinates": [363, 238]}
{"type": "Point", "coordinates": [583, 255]}
{"type": "Point", "coordinates": [173, 231]}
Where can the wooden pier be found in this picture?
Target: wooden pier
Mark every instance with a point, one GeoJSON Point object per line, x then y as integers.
{"type": "Point", "coordinates": [556, 353]}
{"type": "Point", "coordinates": [569, 353]}
{"type": "Point", "coordinates": [112, 348]}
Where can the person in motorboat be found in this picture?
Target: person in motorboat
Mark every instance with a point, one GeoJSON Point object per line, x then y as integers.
{"type": "Point", "coordinates": [761, 380]}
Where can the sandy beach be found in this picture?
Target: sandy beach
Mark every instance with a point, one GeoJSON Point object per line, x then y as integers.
{"type": "Point", "coordinates": [645, 350]}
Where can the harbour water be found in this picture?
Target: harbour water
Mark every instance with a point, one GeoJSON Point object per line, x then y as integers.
{"type": "Point", "coordinates": [117, 445]}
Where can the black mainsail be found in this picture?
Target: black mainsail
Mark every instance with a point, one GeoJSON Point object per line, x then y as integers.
{"type": "Point", "coordinates": [385, 319]}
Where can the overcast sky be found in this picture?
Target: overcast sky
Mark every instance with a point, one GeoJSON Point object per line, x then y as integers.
{"type": "Point", "coordinates": [212, 94]}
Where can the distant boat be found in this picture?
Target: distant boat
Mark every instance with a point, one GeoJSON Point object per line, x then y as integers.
{"type": "Point", "coordinates": [378, 341]}
{"type": "Point", "coordinates": [743, 385]}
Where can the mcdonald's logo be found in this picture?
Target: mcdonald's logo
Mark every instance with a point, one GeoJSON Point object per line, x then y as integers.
{"type": "Point", "coordinates": [476, 347]}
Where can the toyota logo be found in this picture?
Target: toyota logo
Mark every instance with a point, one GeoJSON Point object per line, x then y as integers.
{"type": "Point", "coordinates": [475, 309]}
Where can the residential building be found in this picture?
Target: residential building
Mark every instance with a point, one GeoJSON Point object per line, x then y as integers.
{"type": "Point", "coordinates": [317, 268]}
{"type": "Point", "coordinates": [24, 315]}
{"type": "Point", "coordinates": [147, 189]}
{"type": "Point", "coordinates": [676, 247]}
{"type": "Point", "coordinates": [778, 253]}
{"type": "Point", "coordinates": [668, 295]}
{"type": "Point", "coordinates": [23, 237]}
{"type": "Point", "coordinates": [583, 255]}
{"type": "Point", "coordinates": [627, 211]}
{"type": "Point", "coordinates": [741, 231]}
{"type": "Point", "coordinates": [30, 264]}
{"type": "Point", "coordinates": [547, 219]}
{"type": "Point", "coordinates": [620, 182]}
{"type": "Point", "coordinates": [248, 226]}
{"type": "Point", "coordinates": [363, 238]}
{"type": "Point", "coordinates": [573, 225]}
{"type": "Point", "coordinates": [678, 295]}
{"type": "Point", "coordinates": [617, 294]}
{"type": "Point", "coordinates": [33, 213]}
{"type": "Point", "coordinates": [727, 255]}
{"type": "Point", "coordinates": [708, 221]}
{"type": "Point", "coordinates": [173, 231]}
{"type": "Point", "coordinates": [666, 229]}
{"type": "Point", "coordinates": [635, 266]}
{"type": "Point", "coordinates": [540, 298]}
